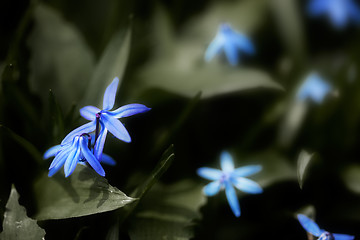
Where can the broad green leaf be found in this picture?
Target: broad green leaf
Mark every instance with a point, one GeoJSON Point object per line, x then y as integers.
{"type": "Point", "coordinates": [302, 163]}
{"type": "Point", "coordinates": [210, 80]}
{"type": "Point", "coordinates": [81, 194]}
{"type": "Point", "coordinates": [287, 16]}
{"type": "Point", "coordinates": [56, 117]}
{"type": "Point", "coordinates": [112, 64]}
{"type": "Point", "coordinates": [17, 225]}
{"type": "Point", "coordinates": [178, 63]}
{"type": "Point", "coordinates": [60, 58]}
{"type": "Point", "coordinates": [27, 145]}
{"type": "Point", "coordinates": [168, 212]}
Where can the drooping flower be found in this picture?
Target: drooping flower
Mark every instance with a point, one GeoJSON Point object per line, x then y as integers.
{"type": "Point", "coordinates": [228, 177]}
{"type": "Point", "coordinates": [339, 12]}
{"type": "Point", "coordinates": [314, 87]}
{"type": "Point", "coordinates": [71, 153]}
{"type": "Point", "coordinates": [106, 120]}
{"type": "Point", "coordinates": [232, 42]}
{"type": "Point", "coordinates": [311, 227]}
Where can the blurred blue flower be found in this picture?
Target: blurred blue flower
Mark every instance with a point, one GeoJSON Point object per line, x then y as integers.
{"type": "Point", "coordinates": [311, 227]}
{"type": "Point", "coordinates": [232, 42]}
{"type": "Point", "coordinates": [71, 153]}
{"type": "Point", "coordinates": [340, 12]}
{"type": "Point", "coordinates": [229, 176]}
{"type": "Point", "coordinates": [106, 120]}
{"type": "Point", "coordinates": [314, 88]}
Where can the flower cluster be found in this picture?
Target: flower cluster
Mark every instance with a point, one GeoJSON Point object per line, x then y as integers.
{"type": "Point", "coordinates": [82, 146]}
{"type": "Point", "coordinates": [228, 177]}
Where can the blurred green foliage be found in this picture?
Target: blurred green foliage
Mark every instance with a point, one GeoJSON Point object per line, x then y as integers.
{"type": "Point", "coordinates": [57, 56]}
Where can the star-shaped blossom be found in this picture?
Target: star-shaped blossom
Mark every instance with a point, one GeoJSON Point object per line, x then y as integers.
{"type": "Point", "coordinates": [314, 87]}
{"type": "Point", "coordinates": [339, 12]}
{"type": "Point", "coordinates": [311, 227]}
{"type": "Point", "coordinates": [227, 178]}
{"type": "Point", "coordinates": [71, 153]}
{"type": "Point", "coordinates": [107, 120]}
{"type": "Point", "coordinates": [231, 42]}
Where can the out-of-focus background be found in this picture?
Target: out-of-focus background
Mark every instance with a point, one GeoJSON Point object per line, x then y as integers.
{"type": "Point", "coordinates": [57, 56]}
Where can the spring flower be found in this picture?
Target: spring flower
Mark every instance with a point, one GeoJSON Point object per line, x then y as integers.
{"type": "Point", "coordinates": [314, 88]}
{"type": "Point", "coordinates": [340, 12]}
{"type": "Point", "coordinates": [71, 153]}
{"type": "Point", "coordinates": [229, 177]}
{"type": "Point", "coordinates": [232, 42]}
{"type": "Point", "coordinates": [311, 227]}
{"type": "Point", "coordinates": [106, 120]}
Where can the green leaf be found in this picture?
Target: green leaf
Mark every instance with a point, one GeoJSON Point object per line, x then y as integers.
{"type": "Point", "coordinates": [81, 194]}
{"type": "Point", "coordinates": [168, 211]}
{"type": "Point", "coordinates": [303, 162]}
{"type": "Point", "coordinates": [60, 58]}
{"type": "Point", "coordinates": [164, 163]}
{"type": "Point", "coordinates": [351, 177]}
{"type": "Point", "coordinates": [210, 80]}
{"type": "Point", "coordinates": [112, 64]}
{"type": "Point", "coordinates": [287, 14]}
{"type": "Point", "coordinates": [17, 225]}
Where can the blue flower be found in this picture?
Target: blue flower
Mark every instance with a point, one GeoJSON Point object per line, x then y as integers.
{"type": "Point", "coordinates": [340, 12]}
{"type": "Point", "coordinates": [106, 120]}
{"type": "Point", "coordinates": [229, 176]}
{"type": "Point", "coordinates": [311, 227]}
{"type": "Point", "coordinates": [314, 87]}
{"type": "Point", "coordinates": [71, 153]}
{"type": "Point", "coordinates": [231, 41]}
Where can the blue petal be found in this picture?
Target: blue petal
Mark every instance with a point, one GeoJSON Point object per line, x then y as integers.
{"type": "Point", "coordinates": [86, 128]}
{"type": "Point", "coordinates": [106, 159]}
{"type": "Point", "coordinates": [89, 112]}
{"type": "Point", "coordinates": [72, 160]}
{"type": "Point", "coordinates": [214, 47]}
{"type": "Point", "coordinates": [317, 7]}
{"type": "Point", "coordinates": [212, 188]}
{"type": "Point", "coordinates": [209, 173]}
{"type": "Point", "coordinates": [243, 43]}
{"type": "Point", "coordinates": [313, 87]}
{"type": "Point", "coordinates": [353, 11]}
{"type": "Point", "coordinates": [226, 162]}
{"type": "Point", "coordinates": [339, 236]}
{"type": "Point", "coordinates": [129, 110]}
{"type": "Point", "coordinates": [90, 158]}
{"type": "Point", "coordinates": [309, 225]}
{"type": "Point", "coordinates": [338, 14]}
{"type": "Point", "coordinates": [232, 199]}
{"type": "Point", "coordinates": [115, 127]}
{"type": "Point", "coordinates": [231, 53]}
{"type": "Point", "coordinates": [61, 157]}
{"type": "Point", "coordinates": [51, 152]}
{"type": "Point", "coordinates": [110, 93]}
{"type": "Point", "coordinates": [246, 171]}
{"type": "Point", "coordinates": [99, 145]}
{"type": "Point", "coordinates": [246, 185]}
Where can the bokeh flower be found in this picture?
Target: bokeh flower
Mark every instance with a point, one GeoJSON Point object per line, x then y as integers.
{"type": "Point", "coordinates": [311, 227]}
{"type": "Point", "coordinates": [314, 87]}
{"type": "Point", "coordinates": [228, 177]}
{"type": "Point", "coordinates": [339, 12]}
{"type": "Point", "coordinates": [232, 42]}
